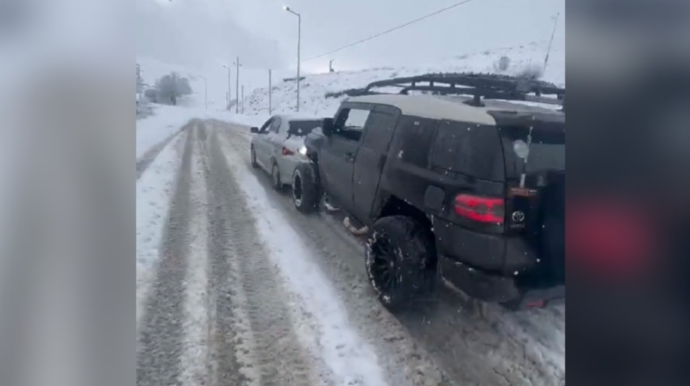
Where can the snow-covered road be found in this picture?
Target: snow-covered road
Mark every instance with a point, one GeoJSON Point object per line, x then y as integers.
{"type": "Point", "coordinates": [235, 287]}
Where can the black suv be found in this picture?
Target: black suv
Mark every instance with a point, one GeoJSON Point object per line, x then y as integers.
{"type": "Point", "coordinates": [473, 190]}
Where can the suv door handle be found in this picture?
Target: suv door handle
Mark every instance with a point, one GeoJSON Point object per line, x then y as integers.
{"type": "Point", "coordinates": [349, 156]}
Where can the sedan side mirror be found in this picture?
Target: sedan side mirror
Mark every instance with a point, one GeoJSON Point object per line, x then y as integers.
{"type": "Point", "coordinates": [254, 130]}
{"type": "Point", "coordinates": [327, 126]}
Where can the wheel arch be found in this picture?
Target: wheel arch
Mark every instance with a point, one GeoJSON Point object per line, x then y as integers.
{"type": "Point", "coordinates": [391, 205]}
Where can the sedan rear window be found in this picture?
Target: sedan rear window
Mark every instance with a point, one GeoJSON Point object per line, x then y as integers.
{"type": "Point", "coordinates": [302, 128]}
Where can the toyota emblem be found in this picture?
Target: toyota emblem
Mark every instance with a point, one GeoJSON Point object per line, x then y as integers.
{"type": "Point", "coordinates": [518, 216]}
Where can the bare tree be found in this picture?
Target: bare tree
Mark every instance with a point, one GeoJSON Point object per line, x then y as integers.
{"type": "Point", "coordinates": [171, 87]}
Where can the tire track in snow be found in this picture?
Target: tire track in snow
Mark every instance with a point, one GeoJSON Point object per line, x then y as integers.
{"type": "Point", "coordinates": [226, 362]}
{"type": "Point", "coordinates": [350, 358]}
{"type": "Point", "coordinates": [158, 361]}
{"type": "Point", "coordinates": [261, 325]}
{"type": "Point", "coordinates": [194, 358]}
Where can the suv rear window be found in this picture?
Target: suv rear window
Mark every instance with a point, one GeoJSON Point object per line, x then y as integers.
{"type": "Point", "coordinates": [470, 149]}
{"type": "Point", "coordinates": [546, 150]}
{"type": "Point", "coordinates": [302, 128]}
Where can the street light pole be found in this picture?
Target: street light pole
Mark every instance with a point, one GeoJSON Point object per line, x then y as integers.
{"type": "Point", "coordinates": [299, 44]}
{"type": "Point", "coordinates": [237, 86]}
{"type": "Point", "coordinates": [229, 87]}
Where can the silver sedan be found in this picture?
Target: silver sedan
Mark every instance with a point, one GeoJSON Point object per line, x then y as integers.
{"type": "Point", "coordinates": [277, 147]}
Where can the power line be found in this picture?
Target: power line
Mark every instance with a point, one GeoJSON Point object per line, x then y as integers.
{"type": "Point", "coordinates": [391, 30]}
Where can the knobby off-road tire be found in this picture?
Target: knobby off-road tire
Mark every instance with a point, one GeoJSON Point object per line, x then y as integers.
{"type": "Point", "coordinates": [305, 188]}
{"type": "Point", "coordinates": [401, 261]}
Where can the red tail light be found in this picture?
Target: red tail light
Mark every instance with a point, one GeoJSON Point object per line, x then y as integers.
{"type": "Point", "coordinates": [480, 209]}
{"type": "Point", "coordinates": [287, 151]}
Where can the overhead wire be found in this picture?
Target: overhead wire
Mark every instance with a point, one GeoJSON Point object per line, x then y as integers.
{"type": "Point", "coordinates": [391, 29]}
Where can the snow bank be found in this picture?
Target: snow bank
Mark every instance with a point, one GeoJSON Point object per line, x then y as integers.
{"type": "Point", "coordinates": [165, 121]}
{"type": "Point", "coordinates": [240, 119]}
{"type": "Point", "coordinates": [154, 191]}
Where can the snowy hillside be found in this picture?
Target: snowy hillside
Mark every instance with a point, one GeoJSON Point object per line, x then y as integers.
{"type": "Point", "coordinates": [314, 87]}
{"type": "Point", "coordinates": [216, 80]}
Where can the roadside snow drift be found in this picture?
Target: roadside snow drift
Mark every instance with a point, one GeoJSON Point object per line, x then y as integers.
{"type": "Point", "coordinates": [165, 121]}
{"type": "Point", "coordinates": [154, 191]}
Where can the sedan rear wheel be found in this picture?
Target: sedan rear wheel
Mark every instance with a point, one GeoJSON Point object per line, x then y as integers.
{"type": "Point", "coordinates": [275, 177]}
{"type": "Point", "coordinates": [253, 157]}
{"type": "Point", "coordinates": [305, 188]}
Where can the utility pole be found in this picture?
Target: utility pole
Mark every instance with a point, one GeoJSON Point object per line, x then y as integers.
{"type": "Point", "coordinates": [229, 87]}
{"type": "Point", "coordinates": [299, 43]}
{"type": "Point", "coordinates": [237, 86]}
{"type": "Point", "coordinates": [242, 99]}
{"type": "Point", "coordinates": [330, 65]}
{"type": "Point", "coordinates": [269, 92]}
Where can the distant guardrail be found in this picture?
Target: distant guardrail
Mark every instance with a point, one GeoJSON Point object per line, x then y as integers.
{"type": "Point", "coordinates": [301, 78]}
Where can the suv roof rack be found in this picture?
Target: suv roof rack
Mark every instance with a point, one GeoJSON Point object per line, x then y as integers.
{"type": "Point", "coordinates": [479, 85]}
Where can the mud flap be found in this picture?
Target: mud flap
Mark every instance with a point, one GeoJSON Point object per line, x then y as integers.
{"type": "Point", "coordinates": [352, 229]}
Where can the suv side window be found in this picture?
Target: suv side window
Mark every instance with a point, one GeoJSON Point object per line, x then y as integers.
{"type": "Point", "coordinates": [414, 140]}
{"type": "Point", "coordinates": [349, 123]}
{"type": "Point", "coordinates": [379, 132]}
{"type": "Point", "coordinates": [469, 149]}
{"type": "Point", "coordinates": [275, 126]}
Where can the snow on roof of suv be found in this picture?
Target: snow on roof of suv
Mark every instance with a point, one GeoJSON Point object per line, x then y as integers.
{"type": "Point", "coordinates": [429, 107]}
{"type": "Point", "coordinates": [450, 107]}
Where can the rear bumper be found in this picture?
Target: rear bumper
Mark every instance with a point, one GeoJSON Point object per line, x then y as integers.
{"type": "Point", "coordinates": [287, 166]}
{"type": "Point", "coordinates": [491, 252]}
{"type": "Point", "coordinates": [498, 289]}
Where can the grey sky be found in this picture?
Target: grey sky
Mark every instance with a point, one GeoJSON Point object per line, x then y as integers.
{"type": "Point", "coordinates": [197, 32]}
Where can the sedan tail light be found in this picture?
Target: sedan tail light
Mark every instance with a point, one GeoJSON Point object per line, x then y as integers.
{"type": "Point", "coordinates": [287, 151]}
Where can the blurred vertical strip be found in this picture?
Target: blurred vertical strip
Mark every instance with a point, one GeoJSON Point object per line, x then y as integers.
{"type": "Point", "coordinates": [67, 279]}
{"type": "Point", "coordinates": [629, 70]}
